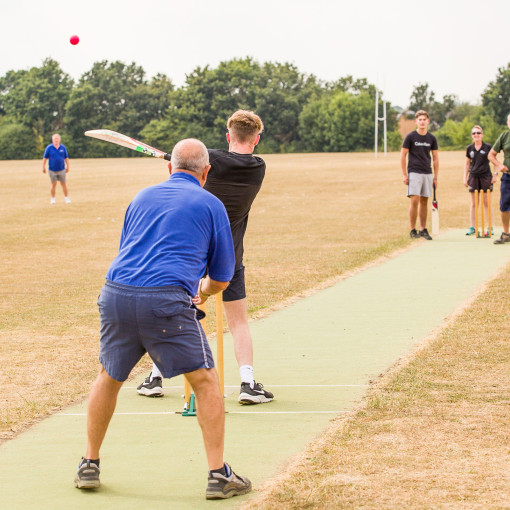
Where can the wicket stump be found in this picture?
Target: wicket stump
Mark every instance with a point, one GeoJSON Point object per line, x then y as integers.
{"type": "Point", "coordinates": [190, 408]}
{"type": "Point", "coordinates": [479, 205]}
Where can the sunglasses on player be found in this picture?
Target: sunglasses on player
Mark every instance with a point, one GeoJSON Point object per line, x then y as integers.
{"type": "Point", "coordinates": [476, 133]}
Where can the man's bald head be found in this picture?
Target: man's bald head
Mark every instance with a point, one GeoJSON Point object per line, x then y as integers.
{"type": "Point", "coordinates": [191, 155]}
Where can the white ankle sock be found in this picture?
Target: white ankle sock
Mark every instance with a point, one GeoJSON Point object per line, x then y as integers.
{"type": "Point", "coordinates": [155, 372]}
{"type": "Point", "coordinates": [246, 372]}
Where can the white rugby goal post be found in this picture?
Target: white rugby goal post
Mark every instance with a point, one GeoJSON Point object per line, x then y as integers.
{"type": "Point", "coordinates": [377, 120]}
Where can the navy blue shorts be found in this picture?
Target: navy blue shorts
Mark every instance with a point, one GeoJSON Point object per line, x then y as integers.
{"type": "Point", "coordinates": [162, 321]}
{"type": "Point", "coordinates": [504, 202]}
{"type": "Point", "coordinates": [236, 289]}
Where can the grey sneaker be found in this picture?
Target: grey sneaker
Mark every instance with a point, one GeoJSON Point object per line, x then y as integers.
{"type": "Point", "coordinates": [255, 394]}
{"type": "Point", "coordinates": [223, 487]}
{"type": "Point", "coordinates": [414, 234]}
{"type": "Point", "coordinates": [150, 388]}
{"type": "Point", "coordinates": [505, 238]}
{"type": "Point", "coordinates": [87, 476]}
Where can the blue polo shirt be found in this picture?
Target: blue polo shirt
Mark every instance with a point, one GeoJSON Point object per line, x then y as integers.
{"type": "Point", "coordinates": [56, 157]}
{"type": "Point", "coordinates": [172, 233]}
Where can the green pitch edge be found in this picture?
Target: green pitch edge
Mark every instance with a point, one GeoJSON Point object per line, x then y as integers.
{"type": "Point", "coordinates": [317, 356]}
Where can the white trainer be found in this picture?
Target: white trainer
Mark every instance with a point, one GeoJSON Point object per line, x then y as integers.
{"type": "Point", "coordinates": [68, 200]}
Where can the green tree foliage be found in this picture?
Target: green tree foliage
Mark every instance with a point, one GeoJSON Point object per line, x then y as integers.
{"type": "Point", "coordinates": [300, 113]}
{"type": "Point", "coordinates": [422, 98]}
{"type": "Point", "coordinates": [113, 96]}
{"type": "Point", "coordinates": [496, 97]}
{"type": "Point", "coordinates": [277, 92]}
{"type": "Point", "coordinates": [341, 118]}
{"type": "Point", "coordinates": [457, 135]}
{"type": "Point", "coordinates": [17, 141]}
{"type": "Point", "coordinates": [36, 98]}
{"type": "Point", "coordinates": [338, 122]}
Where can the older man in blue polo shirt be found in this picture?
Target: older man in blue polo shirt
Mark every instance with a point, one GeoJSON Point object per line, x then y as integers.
{"type": "Point", "coordinates": [58, 158]}
{"type": "Point", "coordinates": [173, 234]}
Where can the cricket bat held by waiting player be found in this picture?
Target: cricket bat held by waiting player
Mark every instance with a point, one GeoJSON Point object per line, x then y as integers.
{"type": "Point", "coordinates": [435, 215]}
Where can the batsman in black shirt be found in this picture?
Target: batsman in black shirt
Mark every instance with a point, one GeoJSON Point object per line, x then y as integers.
{"type": "Point", "coordinates": [235, 178]}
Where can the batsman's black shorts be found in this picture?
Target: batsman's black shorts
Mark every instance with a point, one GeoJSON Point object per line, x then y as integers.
{"type": "Point", "coordinates": [236, 289]}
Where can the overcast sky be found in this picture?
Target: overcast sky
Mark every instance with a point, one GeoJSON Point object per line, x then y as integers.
{"type": "Point", "coordinates": [456, 46]}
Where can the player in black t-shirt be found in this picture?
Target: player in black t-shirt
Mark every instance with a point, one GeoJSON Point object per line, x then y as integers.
{"type": "Point", "coordinates": [418, 177]}
{"type": "Point", "coordinates": [235, 178]}
{"type": "Point", "coordinates": [477, 173]}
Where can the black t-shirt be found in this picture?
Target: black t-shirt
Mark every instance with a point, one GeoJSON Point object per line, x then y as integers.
{"type": "Point", "coordinates": [235, 179]}
{"type": "Point", "coordinates": [419, 152]}
{"type": "Point", "coordinates": [479, 159]}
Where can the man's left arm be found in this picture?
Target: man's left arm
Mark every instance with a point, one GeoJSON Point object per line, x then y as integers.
{"type": "Point", "coordinates": [435, 164]}
{"type": "Point", "coordinates": [67, 165]}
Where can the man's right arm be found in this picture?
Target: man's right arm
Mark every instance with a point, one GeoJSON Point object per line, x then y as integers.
{"type": "Point", "coordinates": [208, 287]}
{"type": "Point", "coordinates": [403, 157]}
{"type": "Point", "coordinates": [498, 166]}
{"type": "Point", "coordinates": [44, 165]}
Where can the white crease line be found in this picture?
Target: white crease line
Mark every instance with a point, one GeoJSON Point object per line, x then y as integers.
{"type": "Point", "coordinates": [276, 386]}
{"type": "Point", "coordinates": [286, 412]}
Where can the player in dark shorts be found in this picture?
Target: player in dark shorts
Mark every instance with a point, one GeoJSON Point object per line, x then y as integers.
{"type": "Point", "coordinates": [477, 173]}
{"type": "Point", "coordinates": [235, 178]}
{"type": "Point", "coordinates": [503, 144]}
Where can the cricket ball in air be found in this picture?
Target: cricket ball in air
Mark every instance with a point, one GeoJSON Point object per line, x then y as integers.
{"type": "Point", "coordinates": [74, 40]}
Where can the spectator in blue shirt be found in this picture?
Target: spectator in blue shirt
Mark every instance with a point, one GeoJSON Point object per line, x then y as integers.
{"type": "Point", "coordinates": [173, 233]}
{"type": "Point", "coordinates": [58, 158]}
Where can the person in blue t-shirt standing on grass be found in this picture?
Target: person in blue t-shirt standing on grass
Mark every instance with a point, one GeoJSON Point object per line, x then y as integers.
{"type": "Point", "coordinates": [58, 158]}
{"type": "Point", "coordinates": [173, 233]}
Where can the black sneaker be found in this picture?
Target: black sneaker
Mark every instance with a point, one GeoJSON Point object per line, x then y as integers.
{"type": "Point", "coordinates": [150, 388]}
{"type": "Point", "coordinates": [223, 487]}
{"type": "Point", "coordinates": [87, 476]}
{"type": "Point", "coordinates": [505, 238]}
{"type": "Point", "coordinates": [425, 234]}
{"type": "Point", "coordinates": [254, 394]}
{"type": "Point", "coordinates": [414, 234]}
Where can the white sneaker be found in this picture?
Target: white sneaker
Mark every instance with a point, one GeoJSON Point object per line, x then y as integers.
{"type": "Point", "coordinates": [68, 200]}
{"type": "Point", "coordinates": [53, 201]}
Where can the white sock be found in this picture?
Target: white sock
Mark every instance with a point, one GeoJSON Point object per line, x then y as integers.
{"type": "Point", "coordinates": [246, 372]}
{"type": "Point", "coordinates": [155, 372]}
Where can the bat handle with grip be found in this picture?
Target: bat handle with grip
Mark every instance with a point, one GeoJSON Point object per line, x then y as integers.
{"type": "Point", "coordinates": [167, 156]}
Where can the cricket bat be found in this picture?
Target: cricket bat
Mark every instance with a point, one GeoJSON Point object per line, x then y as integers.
{"type": "Point", "coordinates": [435, 215]}
{"type": "Point", "coordinates": [126, 141]}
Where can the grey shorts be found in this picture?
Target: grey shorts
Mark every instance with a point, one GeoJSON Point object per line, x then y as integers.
{"type": "Point", "coordinates": [57, 176]}
{"type": "Point", "coordinates": [420, 184]}
{"type": "Point", "coordinates": [162, 321]}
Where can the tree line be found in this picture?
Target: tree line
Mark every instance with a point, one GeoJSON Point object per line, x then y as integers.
{"type": "Point", "coordinates": [301, 113]}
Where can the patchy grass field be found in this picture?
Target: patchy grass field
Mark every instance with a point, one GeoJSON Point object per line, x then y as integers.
{"type": "Point", "coordinates": [318, 216]}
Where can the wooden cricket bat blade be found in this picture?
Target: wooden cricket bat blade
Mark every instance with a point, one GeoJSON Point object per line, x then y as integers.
{"type": "Point", "coordinates": [435, 220]}
{"type": "Point", "coordinates": [126, 141]}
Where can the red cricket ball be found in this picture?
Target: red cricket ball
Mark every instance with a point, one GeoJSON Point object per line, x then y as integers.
{"type": "Point", "coordinates": [74, 40]}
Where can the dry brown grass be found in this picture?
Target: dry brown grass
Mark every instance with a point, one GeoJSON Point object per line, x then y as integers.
{"type": "Point", "coordinates": [317, 217]}
{"type": "Point", "coordinates": [433, 433]}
